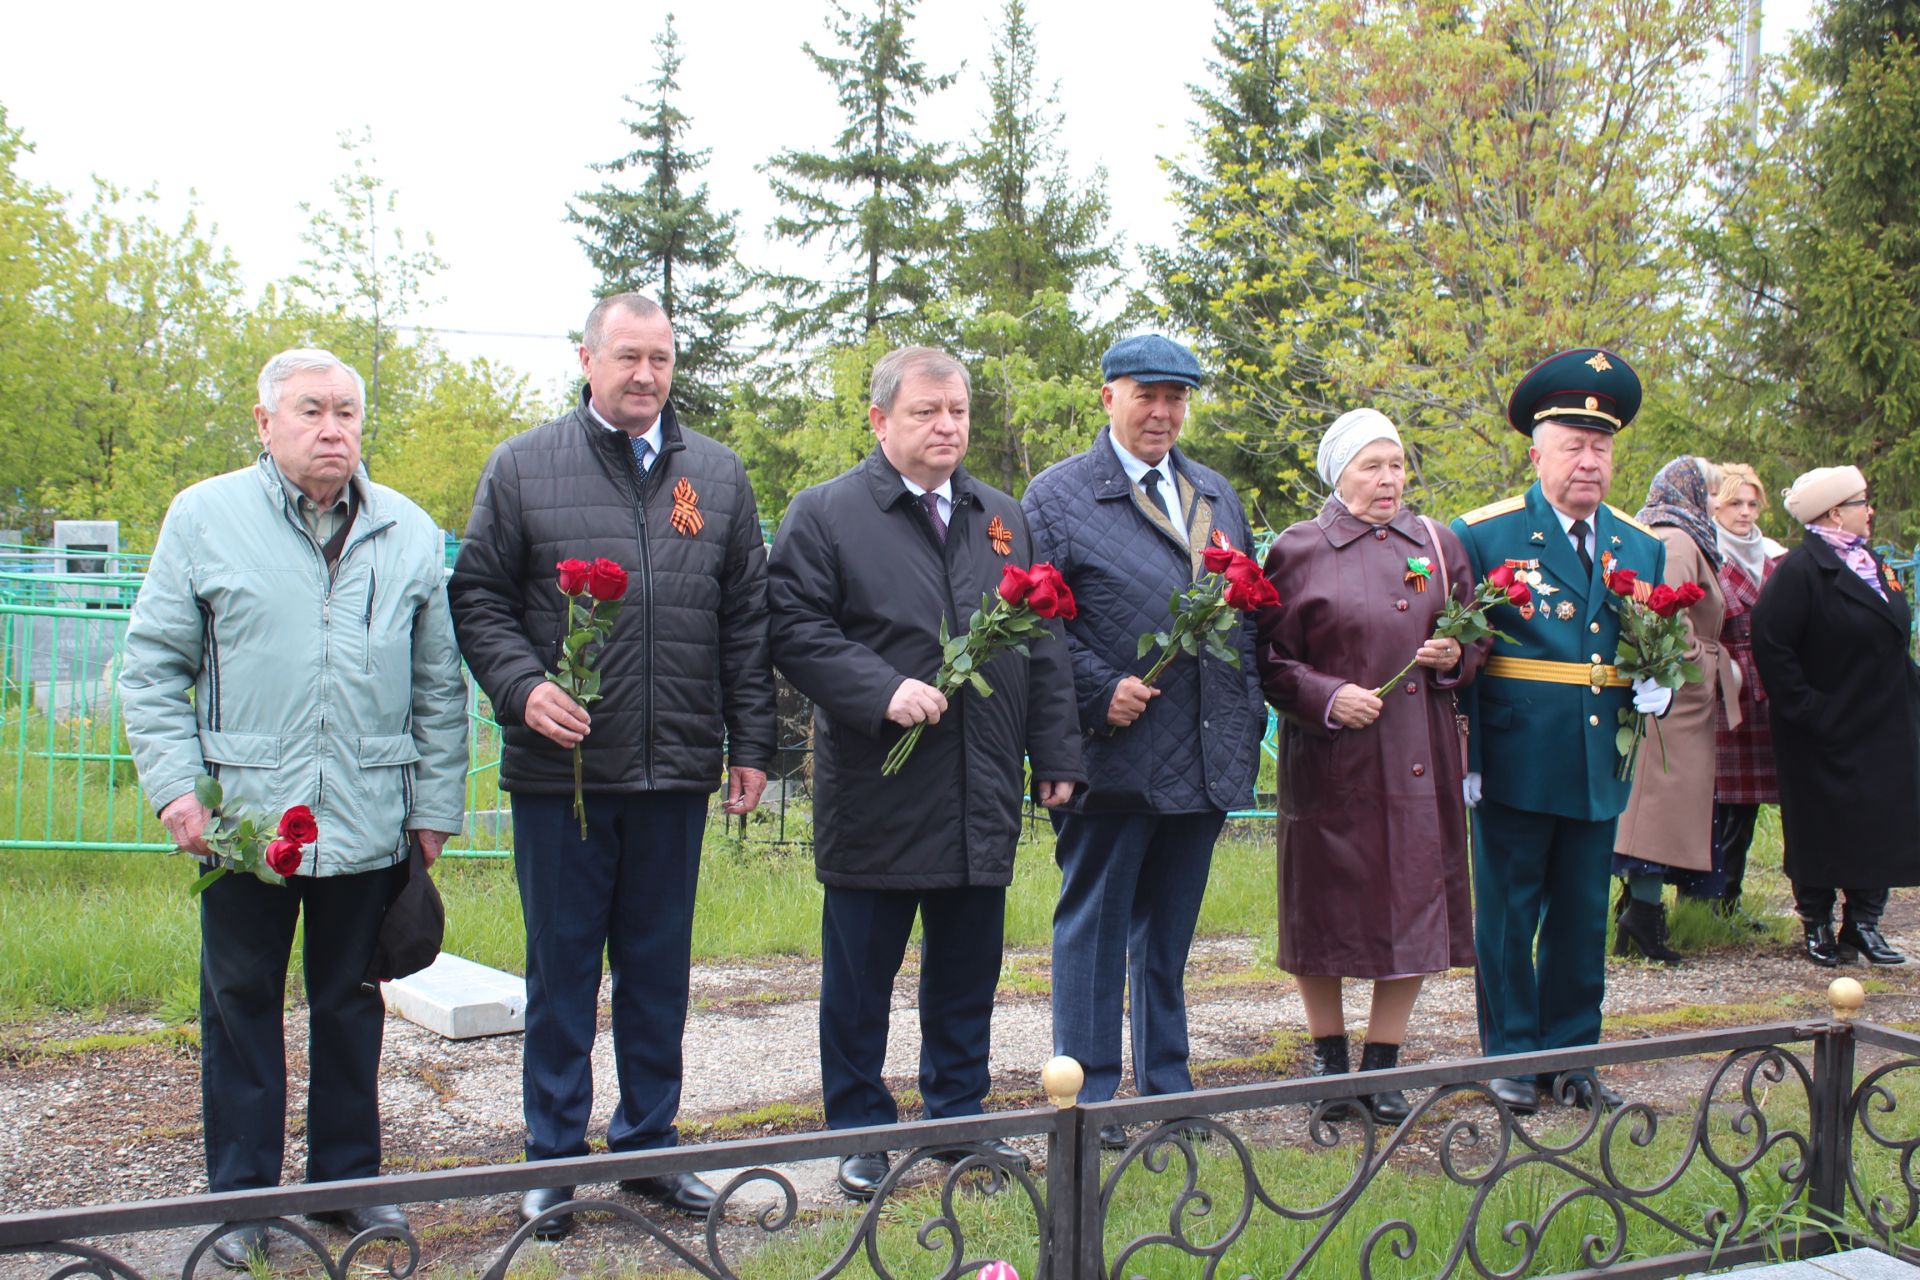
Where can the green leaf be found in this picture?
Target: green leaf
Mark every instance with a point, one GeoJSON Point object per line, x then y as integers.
{"type": "Point", "coordinates": [1190, 643]}
{"type": "Point", "coordinates": [943, 631]}
{"type": "Point", "coordinates": [962, 662]}
{"type": "Point", "coordinates": [200, 885]}
{"type": "Point", "coordinates": [590, 685]}
{"type": "Point", "coordinates": [1623, 740]}
{"type": "Point", "coordinates": [1690, 673]}
{"type": "Point", "coordinates": [952, 648]}
{"type": "Point", "coordinates": [206, 789]}
{"type": "Point", "coordinates": [1147, 642]}
{"type": "Point", "coordinates": [980, 685]}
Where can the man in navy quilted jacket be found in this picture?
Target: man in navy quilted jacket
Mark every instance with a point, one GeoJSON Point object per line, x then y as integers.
{"type": "Point", "coordinates": [1126, 522]}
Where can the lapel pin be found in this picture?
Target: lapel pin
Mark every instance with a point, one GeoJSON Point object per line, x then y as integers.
{"type": "Point", "coordinates": [1537, 536]}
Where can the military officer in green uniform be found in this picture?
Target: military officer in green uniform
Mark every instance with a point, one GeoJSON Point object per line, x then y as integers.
{"type": "Point", "coordinates": [1543, 716]}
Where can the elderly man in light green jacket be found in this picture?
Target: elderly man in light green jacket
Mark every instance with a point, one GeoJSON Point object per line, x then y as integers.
{"type": "Point", "coordinates": [292, 641]}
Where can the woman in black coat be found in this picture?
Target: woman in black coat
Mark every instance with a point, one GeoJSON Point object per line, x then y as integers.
{"type": "Point", "coordinates": [1831, 640]}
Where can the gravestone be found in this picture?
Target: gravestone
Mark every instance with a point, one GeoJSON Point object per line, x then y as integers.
{"type": "Point", "coordinates": [460, 999]}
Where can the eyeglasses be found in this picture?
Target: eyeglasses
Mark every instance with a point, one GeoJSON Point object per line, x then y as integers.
{"type": "Point", "coordinates": [1852, 502]}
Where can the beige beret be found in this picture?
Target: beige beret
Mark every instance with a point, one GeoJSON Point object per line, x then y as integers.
{"type": "Point", "coordinates": [1821, 490]}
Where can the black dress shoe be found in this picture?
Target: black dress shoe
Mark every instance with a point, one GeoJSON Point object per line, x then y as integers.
{"type": "Point", "coordinates": [365, 1219]}
{"type": "Point", "coordinates": [996, 1154]}
{"type": "Point", "coordinates": [1113, 1137]}
{"type": "Point", "coordinates": [1391, 1107]}
{"type": "Point", "coordinates": [681, 1192]}
{"type": "Point", "coordinates": [1521, 1096]}
{"type": "Point", "coordinates": [862, 1173]}
{"type": "Point", "coordinates": [1866, 940]}
{"type": "Point", "coordinates": [1822, 948]}
{"type": "Point", "coordinates": [1329, 1058]}
{"type": "Point", "coordinates": [537, 1202]}
{"type": "Point", "coordinates": [1642, 929]}
{"type": "Point", "coordinates": [1576, 1089]}
{"type": "Point", "coordinates": [237, 1249]}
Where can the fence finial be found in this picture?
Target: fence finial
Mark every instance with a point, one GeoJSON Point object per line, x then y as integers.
{"type": "Point", "coordinates": [1062, 1078]}
{"type": "Point", "coordinates": [1847, 997]}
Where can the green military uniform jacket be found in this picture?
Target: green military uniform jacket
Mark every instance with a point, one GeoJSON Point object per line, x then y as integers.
{"type": "Point", "coordinates": [1541, 745]}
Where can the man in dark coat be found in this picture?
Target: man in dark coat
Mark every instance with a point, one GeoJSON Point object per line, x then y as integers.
{"type": "Point", "coordinates": [1543, 717]}
{"type": "Point", "coordinates": [685, 668]}
{"type": "Point", "coordinates": [864, 571]}
{"type": "Point", "coordinates": [1830, 636]}
{"type": "Point", "coordinates": [1126, 522]}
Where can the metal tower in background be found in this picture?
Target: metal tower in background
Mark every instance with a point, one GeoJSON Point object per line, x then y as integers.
{"type": "Point", "coordinates": [1743, 64]}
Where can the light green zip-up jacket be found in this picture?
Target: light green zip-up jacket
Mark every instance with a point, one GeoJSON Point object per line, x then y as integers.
{"type": "Point", "coordinates": [339, 691]}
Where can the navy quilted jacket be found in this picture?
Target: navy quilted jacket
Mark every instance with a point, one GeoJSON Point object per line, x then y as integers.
{"type": "Point", "coordinates": [687, 665]}
{"type": "Point", "coordinates": [1197, 746]}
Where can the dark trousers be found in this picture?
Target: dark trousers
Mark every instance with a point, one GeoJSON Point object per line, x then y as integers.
{"type": "Point", "coordinates": [1815, 904]}
{"type": "Point", "coordinates": [246, 940]}
{"type": "Point", "coordinates": [1732, 836]}
{"type": "Point", "coordinates": [626, 889]}
{"type": "Point", "coordinates": [863, 939]}
{"type": "Point", "coordinates": [1540, 922]}
{"type": "Point", "coordinates": [1130, 892]}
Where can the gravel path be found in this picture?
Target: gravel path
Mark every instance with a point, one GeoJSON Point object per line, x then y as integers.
{"type": "Point", "coordinates": [122, 1123]}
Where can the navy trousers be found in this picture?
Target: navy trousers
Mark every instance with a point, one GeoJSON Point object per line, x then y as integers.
{"type": "Point", "coordinates": [626, 889]}
{"type": "Point", "coordinates": [1130, 892]}
{"type": "Point", "coordinates": [1540, 927]}
{"type": "Point", "coordinates": [863, 937]}
{"type": "Point", "coordinates": [246, 939]}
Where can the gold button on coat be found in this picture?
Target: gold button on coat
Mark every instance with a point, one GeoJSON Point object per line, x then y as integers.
{"type": "Point", "coordinates": [1593, 720]}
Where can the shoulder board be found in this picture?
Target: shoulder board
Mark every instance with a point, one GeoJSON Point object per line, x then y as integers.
{"type": "Point", "coordinates": [1492, 509]}
{"type": "Point", "coordinates": [1624, 518]}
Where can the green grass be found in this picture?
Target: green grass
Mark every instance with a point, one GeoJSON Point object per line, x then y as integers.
{"type": "Point", "coordinates": [116, 931]}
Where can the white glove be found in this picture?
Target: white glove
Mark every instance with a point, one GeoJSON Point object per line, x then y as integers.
{"type": "Point", "coordinates": [1651, 699]}
{"type": "Point", "coordinates": [1470, 789]}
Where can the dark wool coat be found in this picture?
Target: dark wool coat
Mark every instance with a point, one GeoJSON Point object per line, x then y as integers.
{"type": "Point", "coordinates": [1846, 721]}
{"type": "Point", "coordinates": [1197, 746]}
{"type": "Point", "coordinates": [1373, 874]}
{"type": "Point", "coordinates": [687, 661]}
{"type": "Point", "coordinates": [859, 583]}
{"type": "Point", "coordinates": [1743, 766]}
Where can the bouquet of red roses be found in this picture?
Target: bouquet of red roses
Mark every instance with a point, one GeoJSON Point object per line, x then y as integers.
{"type": "Point", "coordinates": [1206, 613]}
{"type": "Point", "coordinates": [1653, 646]}
{"type": "Point", "coordinates": [1027, 598]}
{"type": "Point", "coordinates": [603, 583]}
{"type": "Point", "coordinates": [1467, 622]}
{"type": "Point", "coordinates": [246, 845]}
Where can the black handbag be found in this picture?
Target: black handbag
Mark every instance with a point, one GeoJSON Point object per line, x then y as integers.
{"type": "Point", "coordinates": [414, 926]}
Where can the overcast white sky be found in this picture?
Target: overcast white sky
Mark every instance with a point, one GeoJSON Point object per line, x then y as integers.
{"type": "Point", "coordinates": [486, 115]}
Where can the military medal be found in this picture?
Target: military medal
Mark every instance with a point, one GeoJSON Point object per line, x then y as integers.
{"type": "Point", "coordinates": [1419, 569]}
{"type": "Point", "coordinates": [1564, 611]}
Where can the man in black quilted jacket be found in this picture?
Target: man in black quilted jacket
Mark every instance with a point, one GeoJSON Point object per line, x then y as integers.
{"type": "Point", "coordinates": [684, 676]}
{"type": "Point", "coordinates": [1126, 522]}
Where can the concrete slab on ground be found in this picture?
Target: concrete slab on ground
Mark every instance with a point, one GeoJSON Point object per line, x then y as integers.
{"type": "Point", "coordinates": [1854, 1264]}
{"type": "Point", "coordinates": [460, 999]}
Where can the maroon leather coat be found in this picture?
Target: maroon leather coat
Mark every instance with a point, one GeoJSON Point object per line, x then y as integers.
{"type": "Point", "coordinates": [1373, 874]}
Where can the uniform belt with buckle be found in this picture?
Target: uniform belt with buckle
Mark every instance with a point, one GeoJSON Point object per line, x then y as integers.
{"type": "Point", "coordinates": [1595, 675]}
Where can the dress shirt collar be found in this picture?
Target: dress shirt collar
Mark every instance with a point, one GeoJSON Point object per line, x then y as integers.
{"type": "Point", "coordinates": [1136, 469]}
{"type": "Point", "coordinates": [652, 435]}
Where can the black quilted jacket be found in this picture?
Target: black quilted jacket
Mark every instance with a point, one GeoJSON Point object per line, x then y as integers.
{"type": "Point", "coordinates": [687, 661]}
{"type": "Point", "coordinates": [1197, 745]}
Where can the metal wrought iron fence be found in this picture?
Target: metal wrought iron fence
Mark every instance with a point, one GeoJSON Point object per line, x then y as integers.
{"type": "Point", "coordinates": [1795, 1140]}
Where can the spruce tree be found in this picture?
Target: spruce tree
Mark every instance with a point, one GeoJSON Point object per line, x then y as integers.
{"type": "Point", "coordinates": [662, 237]}
{"type": "Point", "coordinates": [875, 198]}
{"type": "Point", "coordinates": [1034, 256]}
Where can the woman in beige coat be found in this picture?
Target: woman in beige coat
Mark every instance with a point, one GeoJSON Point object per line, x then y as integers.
{"type": "Point", "coordinates": [1668, 824]}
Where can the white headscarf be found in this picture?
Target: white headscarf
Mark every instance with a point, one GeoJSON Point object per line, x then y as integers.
{"type": "Point", "coordinates": [1350, 433]}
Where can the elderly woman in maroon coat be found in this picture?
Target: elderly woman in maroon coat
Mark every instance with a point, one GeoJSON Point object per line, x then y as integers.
{"type": "Point", "coordinates": [1373, 869]}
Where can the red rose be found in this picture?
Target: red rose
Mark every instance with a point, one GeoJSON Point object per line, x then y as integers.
{"type": "Point", "coordinates": [1048, 594]}
{"type": "Point", "coordinates": [606, 580]}
{"type": "Point", "coordinates": [1501, 577]}
{"type": "Point", "coordinates": [1243, 570]}
{"type": "Point", "coordinates": [573, 576]}
{"type": "Point", "coordinates": [1014, 584]}
{"type": "Point", "coordinates": [1690, 594]}
{"type": "Point", "coordinates": [283, 856]}
{"type": "Point", "coordinates": [1620, 581]}
{"type": "Point", "coordinates": [297, 825]}
{"type": "Point", "coordinates": [1519, 595]}
{"type": "Point", "coordinates": [1664, 601]}
{"type": "Point", "coordinates": [1247, 594]}
{"type": "Point", "coordinates": [1218, 558]}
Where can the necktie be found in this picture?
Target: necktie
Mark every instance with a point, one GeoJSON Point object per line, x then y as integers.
{"type": "Point", "coordinates": [1578, 532]}
{"type": "Point", "coordinates": [931, 501]}
{"type": "Point", "coordinates": [1150, 483]}
{"type": "Point", "coordinates": [641, 451]}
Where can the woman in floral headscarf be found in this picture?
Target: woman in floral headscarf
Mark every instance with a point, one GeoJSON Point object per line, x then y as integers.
{"type": "Point", "coordinates": [1669, 819]}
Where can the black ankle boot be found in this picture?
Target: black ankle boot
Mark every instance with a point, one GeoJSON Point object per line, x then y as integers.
{"type": "Point", "coordinates": [1390, 1107]}
{"type": "Point", "coordinates": [1822, 948]}
{"type": "Point", "coordinates": [1865, 939]}
{"type": "Point", "coordinates": [1329, 1058]}
{"type": "Point", "coordinates": [1643, 929]}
